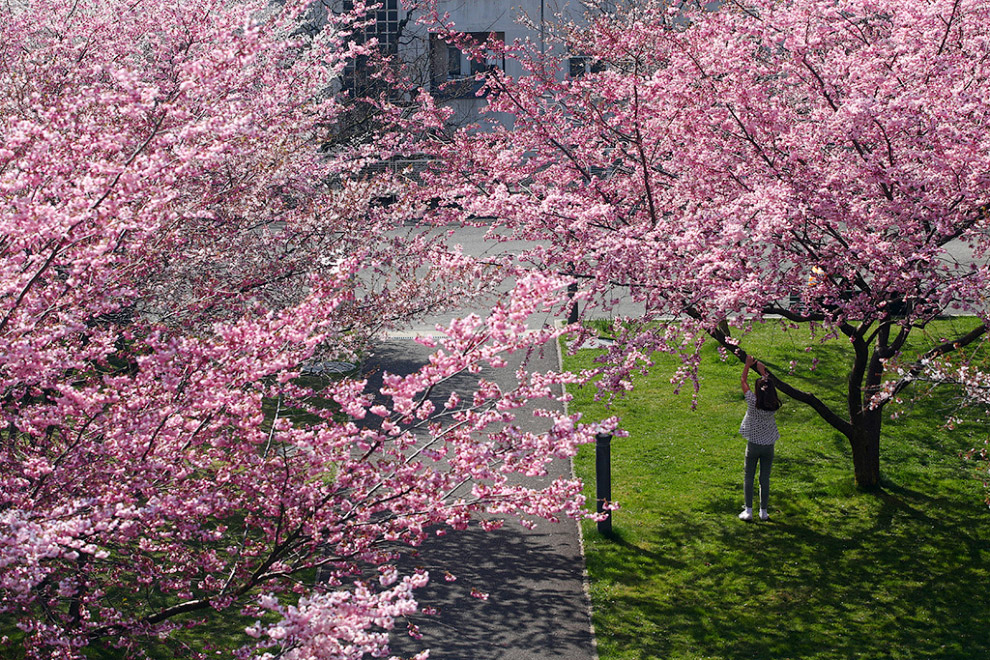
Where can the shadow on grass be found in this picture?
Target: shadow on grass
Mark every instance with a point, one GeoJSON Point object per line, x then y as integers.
{"type": "Point", "coordinates": [907, 580]}
{"type": "Point", "coordinates": [643, 558]}
{"type": "Point", "coordinates": [837, 573]}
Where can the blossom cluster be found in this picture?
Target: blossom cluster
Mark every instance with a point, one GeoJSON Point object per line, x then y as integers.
{"type": "Point", "coordinates": [826, 163]}
{"type": "Point", "coordinates": [180, 243]}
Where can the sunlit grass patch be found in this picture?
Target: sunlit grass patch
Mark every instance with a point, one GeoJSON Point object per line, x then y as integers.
{"type": "Point", "coordinates": [836, 573]}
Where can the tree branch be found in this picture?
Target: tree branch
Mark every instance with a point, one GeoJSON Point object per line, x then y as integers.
{"type": "Point", "coordinates": [942, 349]}
{"type": "Point", "coordinates": [810, 400]}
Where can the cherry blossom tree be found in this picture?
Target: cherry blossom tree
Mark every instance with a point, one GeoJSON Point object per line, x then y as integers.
{"type": "Point", "coordinates": [178, 250]}
{"type": "Point", "coordinates": [823, 162]}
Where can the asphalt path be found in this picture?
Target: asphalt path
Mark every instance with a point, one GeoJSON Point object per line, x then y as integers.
{"type": "Point", "coordinates": [473, 242]}
{"type": "Point", "coordinates": [537, 607]}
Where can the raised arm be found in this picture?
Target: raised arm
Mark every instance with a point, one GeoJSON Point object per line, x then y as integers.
{"type": "Point", "coordinates": [750, 361]}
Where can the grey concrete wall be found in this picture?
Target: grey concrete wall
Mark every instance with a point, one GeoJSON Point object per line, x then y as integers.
{"type": "Point", "coordinates": [517, 19]}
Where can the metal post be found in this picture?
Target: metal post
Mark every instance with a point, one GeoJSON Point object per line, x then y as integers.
{"type": "Point", "coordinates": [603, 479]}
{"type": "Point", "coordinates": [572, 314]}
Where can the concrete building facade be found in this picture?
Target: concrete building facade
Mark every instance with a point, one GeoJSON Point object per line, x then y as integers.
{"type": "Point", "coordinates": [443, 67]}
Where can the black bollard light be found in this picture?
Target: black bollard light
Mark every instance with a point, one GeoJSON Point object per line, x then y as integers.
{"type": "Point", "coordinates": [572, 315]}
{"type": "Point", "coordinates": [603, 479]}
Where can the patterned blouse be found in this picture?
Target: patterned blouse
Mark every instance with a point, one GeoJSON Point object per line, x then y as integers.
{"type": "Point", "coordinates": [758, 426]}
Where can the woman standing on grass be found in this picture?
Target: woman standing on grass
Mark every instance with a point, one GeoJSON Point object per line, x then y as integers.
{"type": "Point", "coordinates": [759, 427]}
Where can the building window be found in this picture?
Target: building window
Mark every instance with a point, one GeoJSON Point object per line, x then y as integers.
{"type": "Point", "coordinates": [456, 74]}
{"type": "Point", "coordinates": [578, 65]}
{"type": "Point", "coordinates": [385, 28]}
{"type": "Point", "coordinates": [493, 60]}
{"type": "Point", "coordinates": [454, 56]}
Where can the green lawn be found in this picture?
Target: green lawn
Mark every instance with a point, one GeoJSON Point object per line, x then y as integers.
{"type": "Point", "coordinates": [836, 573]}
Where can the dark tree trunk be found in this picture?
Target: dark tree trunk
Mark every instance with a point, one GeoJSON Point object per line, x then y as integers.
{"type": "Point", "coordinates": [865, 382]}
{"type": "Point", "coordinates": [865, 444]}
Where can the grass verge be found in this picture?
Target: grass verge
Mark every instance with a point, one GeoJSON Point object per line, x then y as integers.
{"type": "Point", "coordinates": [836, 573]}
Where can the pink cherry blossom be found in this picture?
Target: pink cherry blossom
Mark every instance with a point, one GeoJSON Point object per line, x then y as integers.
{"type": "Point", "coordinates": [184, 235]}
{"type": "Point", "coordinates": [821, 162]}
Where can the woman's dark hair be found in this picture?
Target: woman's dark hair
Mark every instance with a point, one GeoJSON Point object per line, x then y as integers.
{"type": "Point", "coordinates": [766, 394]}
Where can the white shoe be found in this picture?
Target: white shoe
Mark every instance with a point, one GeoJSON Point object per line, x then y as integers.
{"type": "Point", "coordinates": [746, 515]}
{"type": "Point", "coordinates": [764, 515]}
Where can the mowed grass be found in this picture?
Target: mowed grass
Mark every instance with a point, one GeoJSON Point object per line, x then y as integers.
{"type": "Point", "coordinates": [836, 572]}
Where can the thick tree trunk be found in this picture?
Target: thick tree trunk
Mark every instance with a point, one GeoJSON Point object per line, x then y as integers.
{"type": "Point", "coordinates": [865, 443]}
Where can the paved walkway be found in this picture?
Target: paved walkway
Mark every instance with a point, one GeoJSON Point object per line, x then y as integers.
{"type": "Point", "coordinates": [537, 608]}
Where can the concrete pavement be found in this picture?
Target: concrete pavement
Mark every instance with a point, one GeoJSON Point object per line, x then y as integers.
{"type": "Point", "coordinates": [537, 606]}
